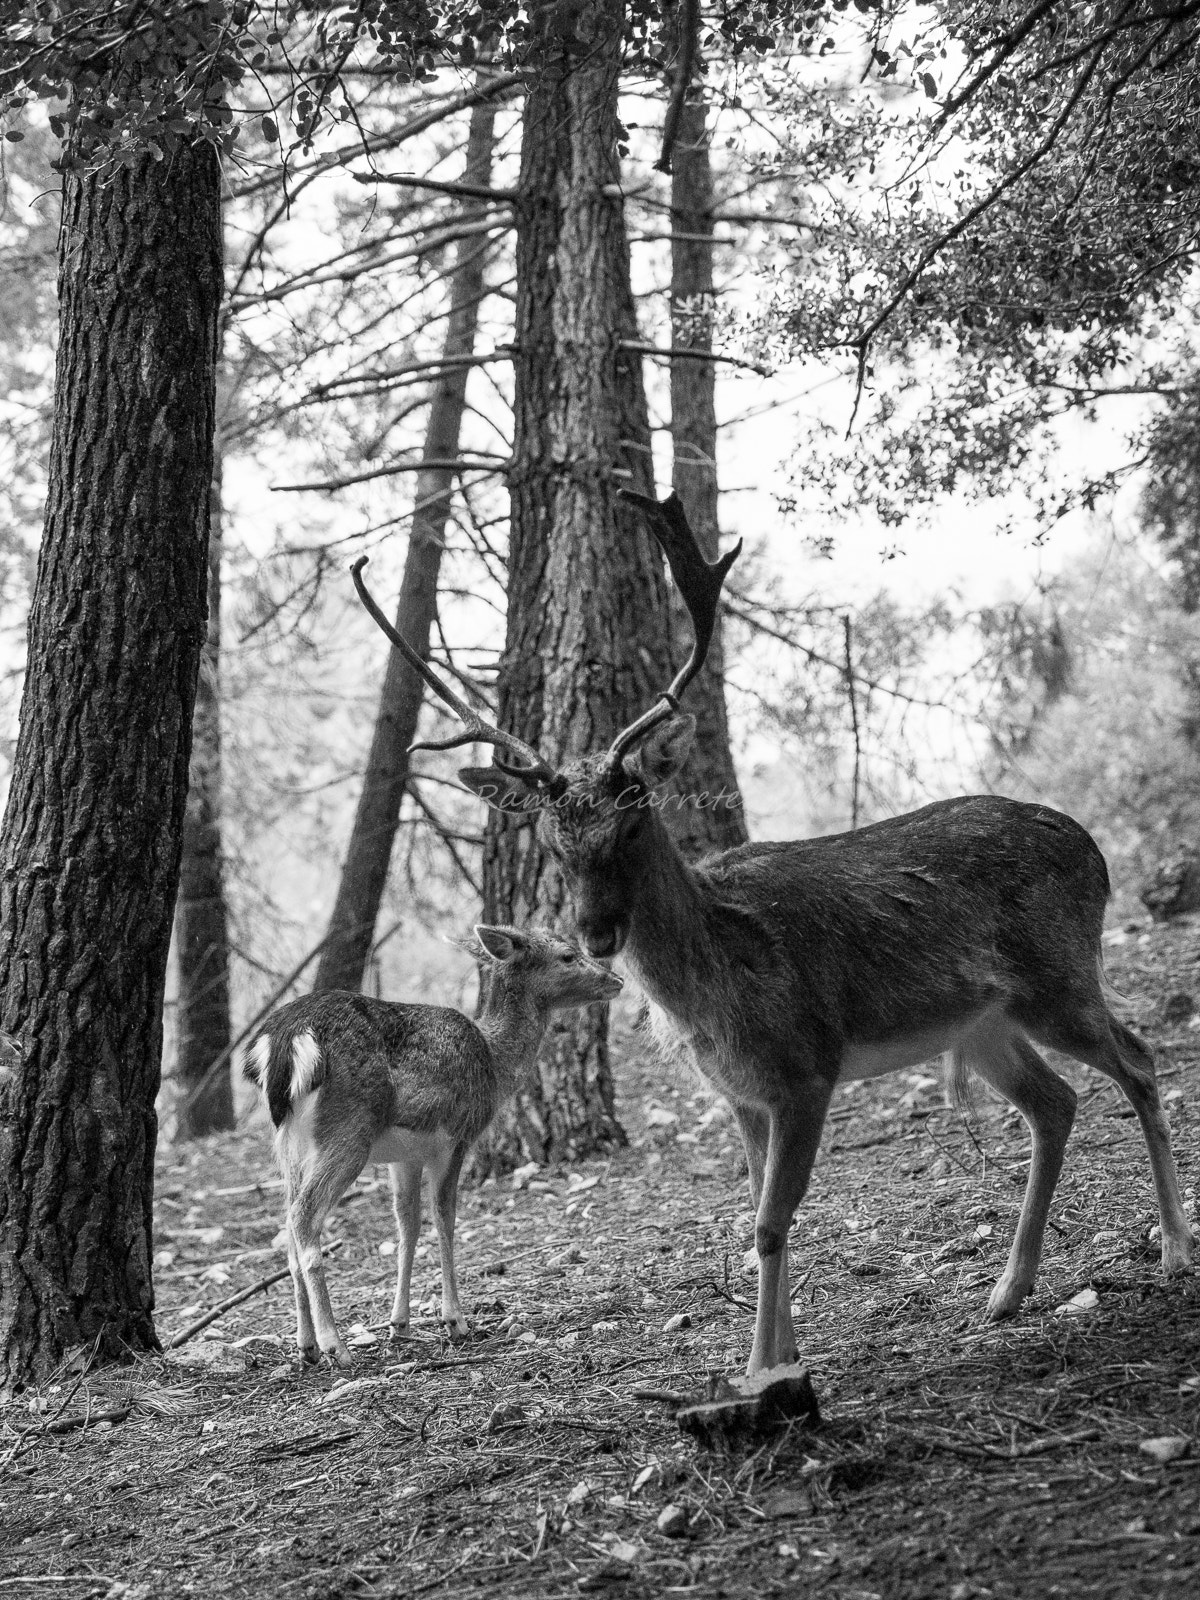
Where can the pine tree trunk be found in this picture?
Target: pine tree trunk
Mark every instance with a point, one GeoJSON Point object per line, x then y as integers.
{"type": "Point", "coordinates": [364, 874]}
{"type": "Point", "coordinates": [91, 841]}
{"type": "Point", "coordinates": [201, 918]}
{"type": "Point", "coordinates": [585, 648]}
{"type": "Point", "coordinates": [711, 826]}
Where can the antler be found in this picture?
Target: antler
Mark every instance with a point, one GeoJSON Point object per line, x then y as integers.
{"type": "Point", "coordinates": [699, 583]}
{"type": "Point", "coordinates": [475, 728]}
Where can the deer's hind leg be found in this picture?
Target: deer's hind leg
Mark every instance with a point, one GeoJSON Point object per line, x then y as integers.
{"type": "Point", "coordinates": [1004, 1058]}
{"type": "Point", "coordinates": [756, 1131]}
{"type": "Point", "coordinates": [1100, 1041]}
{"type": "Point", "coordinates": [329, 1175]}
{"type": "Point", "coordinates": [406, 1203]}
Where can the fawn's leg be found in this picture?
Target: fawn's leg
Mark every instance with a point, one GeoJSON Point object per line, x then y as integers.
{"type": "Point", "coordinates": [1006, 1060]}
{"type": "Point", "coordinates": [443, 1182]}
{"type": "Point", "coordinates": [306, 1339]}
{"type": "Point", "coordinates": [756, 1129]}
{"type": "Point", "coordinates": [331, 1175]}
{"type": "Point", "coordinates": [406, 1203]}
{"type": "Point", "coordinates": [1099, 1040]}
{"type": "Point", "coordinates": [791, 1150]}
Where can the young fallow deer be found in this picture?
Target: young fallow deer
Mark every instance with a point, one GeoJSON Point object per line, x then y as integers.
{"type": "Point", "coordinates": [971, 926]}
{"type": "Point", "coordinates": [349, 1080]}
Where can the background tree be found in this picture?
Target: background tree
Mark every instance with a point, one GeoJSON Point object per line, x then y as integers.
{"type": "Point", "coordinates": [585, 636]}
{"type": "Point", "coordinates": [201, 914]}
{"type": "Point", "coordinates": [360, 888]}
{"type": "Point", "coordinates": [710, 769]}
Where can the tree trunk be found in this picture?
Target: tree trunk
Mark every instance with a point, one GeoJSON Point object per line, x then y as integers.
{"type": "Point", "coordinates": [585, 647]}
{"type": "Point", "coordinates": [91, 841]}
{"type": "Point", "coordinates": [699, 828]}
{"type": "Point", "coordinates": [360, 890]}
{"type": "Point", "coordinates": [201, 919]}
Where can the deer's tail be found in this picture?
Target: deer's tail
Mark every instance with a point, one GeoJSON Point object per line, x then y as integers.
{"type": "Point", "coordinates": [285, 1065]}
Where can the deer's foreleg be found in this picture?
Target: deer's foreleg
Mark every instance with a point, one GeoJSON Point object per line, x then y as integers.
{"type": "Point", "coordinates": [795, 1132]}
{"type": "Point", "coordinates": [755, 1127]}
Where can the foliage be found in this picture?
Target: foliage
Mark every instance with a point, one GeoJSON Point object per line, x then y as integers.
{"type": "Point", "coordinates": [128, 75]}
{"type": "Point", "coordinates": [1118, 748]}
{"type": "Point", "coordinates": [1015, 248]}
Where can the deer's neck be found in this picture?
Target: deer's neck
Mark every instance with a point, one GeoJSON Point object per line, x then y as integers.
{"type": "Point", "coordinates": [670, 943]}
{"type": "Point", "coordinates": [513, 1025]}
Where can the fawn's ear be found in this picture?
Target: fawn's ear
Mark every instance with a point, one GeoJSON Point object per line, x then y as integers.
{"type": "Point", "coordinates": [502, 792]}
{"type": "Point", "coordinates": [663, 752]}
{"type": "Point", "coordinates": [502, 944]}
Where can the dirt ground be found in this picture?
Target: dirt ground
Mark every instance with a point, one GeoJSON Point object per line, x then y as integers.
{"type": "Point", "coordinates": [953, 1459]}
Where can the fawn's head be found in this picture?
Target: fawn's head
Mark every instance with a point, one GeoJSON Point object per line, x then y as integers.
{"type": "Point", "coordinates": [597, 816]}
{"type": "Point", "coordinates": [546, 968]}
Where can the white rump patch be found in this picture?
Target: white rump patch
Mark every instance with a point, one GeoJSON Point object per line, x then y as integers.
{"type": "Point", "coordinates": [306, 1062]}
{"type": "Point", "coordinates": [259, 1057]}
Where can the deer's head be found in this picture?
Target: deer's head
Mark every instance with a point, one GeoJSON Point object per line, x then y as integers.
{"type": "Point", "coordinates": [597, 815]}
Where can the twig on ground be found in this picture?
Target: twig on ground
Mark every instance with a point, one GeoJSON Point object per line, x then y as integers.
{"type": "Point", "coordinates": [203, 1322]}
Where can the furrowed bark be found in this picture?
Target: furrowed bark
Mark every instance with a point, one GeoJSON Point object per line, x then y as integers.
{"type": "Point", "coordinates": [89, 860]}
{"type": "Point", "coordinates": [721, 824]}
{"type": "Point", "coordinates": [585, 647]}
{"type": "Point", "coordinates": [201, 917]}
{"type": "Point", "coordinates": [364, 873]}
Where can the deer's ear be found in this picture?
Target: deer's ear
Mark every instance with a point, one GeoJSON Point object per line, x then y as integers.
{"type": "Point", "coordinates": [502, 792]}
{"type": "Point", "coordinates": [502, 944]}
{"type": "Point", "coordinates": [663, 752]}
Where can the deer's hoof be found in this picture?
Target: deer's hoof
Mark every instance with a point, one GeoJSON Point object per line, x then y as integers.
{"type": "Point", "coordinates": [1177, 1256]}
{"type": "Point", "coordinates": [1006, 1300]}
{"type": "Point", "coordinates": [399, 1330]}
{"type": "Point", "coordinates": [309, 1354]}
{"type": "Point", "coordinates": [338, 1356]}
{"type": "Point", "coordinates": [458, 1330]}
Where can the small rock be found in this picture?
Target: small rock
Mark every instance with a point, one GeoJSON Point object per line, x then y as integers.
{"type": "Point", "coordinates": [566, 1258]}
{"type": "Point", "coordinates": [672, 1521]}
{"type": "Point", "coordinates": [579, 1493]}
{"type": "Point", "coordinates": [278, 1374]}
{"type": "Point", "coordinates": [1079, 1304]}
{"type": "Point", "coordinates": [523, 1174]}
{"type": "Point", "coordinates": [785, 1503]}
{"type": "Point", "coordinates": [505, 1415]}
{"type": "Point", "coordinates": [644, 1476]}
{"type": "Point", "coordinates": [1178, 1007]}
{"type": "Point", "coordinates": [1170, 1447]}
{"type": "Point", "coordinates": [656, 1117]}
{"type": "Point", "coordinates": [678, 1322]}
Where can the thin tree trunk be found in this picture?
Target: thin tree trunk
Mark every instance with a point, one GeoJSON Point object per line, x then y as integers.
{"type": "Point", "coordinates": [91, 840]}
{"type": "Point", "coordinates": [201, 918]}
{"type": "Point", "coordinates": [699, 828]}
{"type": "Point", "coordinates": [364, 874]}
{"type": "Point", "coordinates": [585, 647]}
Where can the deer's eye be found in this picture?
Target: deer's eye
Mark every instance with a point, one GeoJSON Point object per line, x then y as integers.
{"type": "Point", "coordinates": [569, 957]}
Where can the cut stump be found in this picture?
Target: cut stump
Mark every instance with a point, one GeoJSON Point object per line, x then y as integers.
{"type": "Point", "coordinates": [747, 1408]}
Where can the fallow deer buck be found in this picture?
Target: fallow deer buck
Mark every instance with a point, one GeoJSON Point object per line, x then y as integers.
{"type": "Point", "coordinates": [971, 926]}
{"type": "Point", "coordinates": [351, 1080]}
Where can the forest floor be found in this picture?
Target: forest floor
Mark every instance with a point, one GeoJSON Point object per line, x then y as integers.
{"type": "Point", "coordinates": [953, 1458]}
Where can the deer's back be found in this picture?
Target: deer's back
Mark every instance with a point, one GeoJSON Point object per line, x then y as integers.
{"type": "Point", "coordinates": [861, 937]}
{"type": "Point", "coordinates": [393, 1064]}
